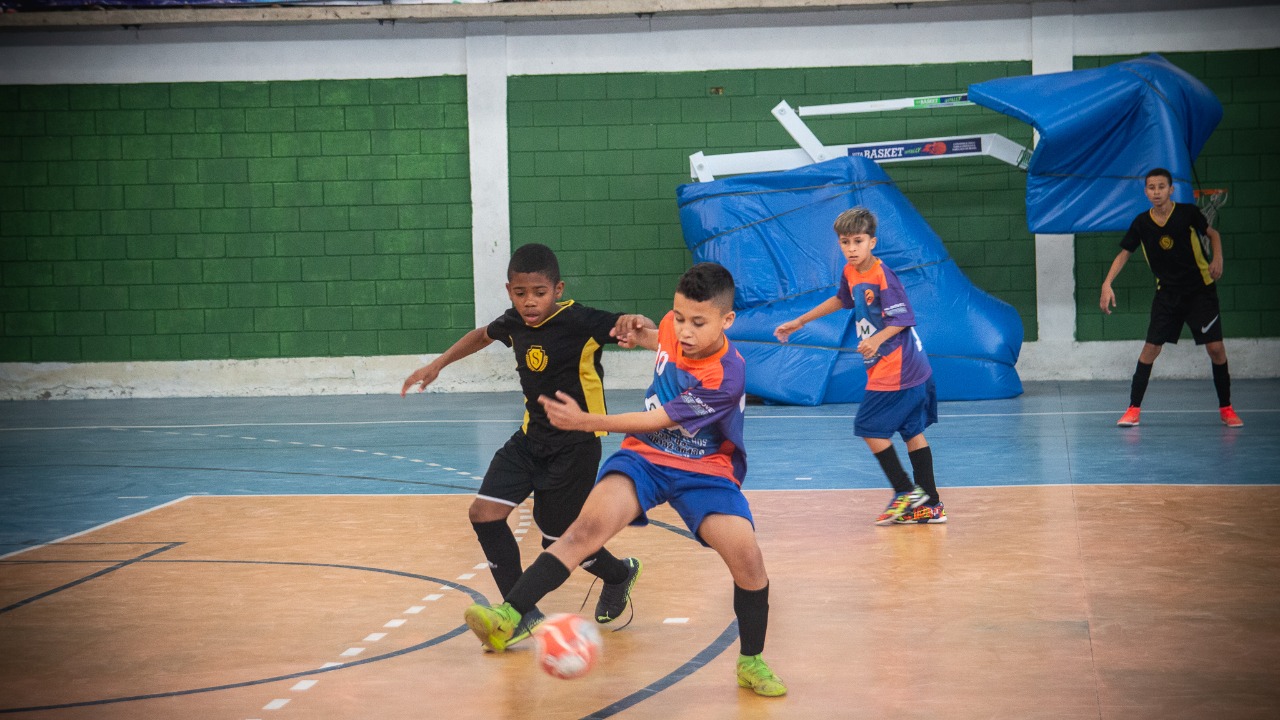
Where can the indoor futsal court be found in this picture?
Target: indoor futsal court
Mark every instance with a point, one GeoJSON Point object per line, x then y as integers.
{"type": "Point", "coordinates": [311, 558]}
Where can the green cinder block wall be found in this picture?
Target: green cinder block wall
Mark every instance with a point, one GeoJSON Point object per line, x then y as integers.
{"type": "Point", "coordinates": [596, 159]}
{"type": "Point", "coordinates": [201, 221]}
{"type": "Point", "coordinates": [329, 218]}
{"type": "Point", "coordinates": [1243, 156]}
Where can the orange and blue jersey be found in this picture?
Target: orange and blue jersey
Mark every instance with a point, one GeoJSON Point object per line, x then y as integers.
{"type": "Point", "coordinates": [706, 398]}
{"type": "Point", "coordinates": [878, 300]}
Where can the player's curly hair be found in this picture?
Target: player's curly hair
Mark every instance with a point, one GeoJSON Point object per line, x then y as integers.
{"type": "Point", "coordinates": [856, 221]}
{"type": "Point", "coordinates": [708, 281]}
{"type": "Point", "coordinates": [535, 258]}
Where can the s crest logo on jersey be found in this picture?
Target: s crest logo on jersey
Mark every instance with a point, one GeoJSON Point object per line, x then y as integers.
{"type": "Point", "coordinates": [535, 358]}
{"type": "Point", "coordinates": [1166, 242]}
{"type": "Point", "coordinates": [869, 296]}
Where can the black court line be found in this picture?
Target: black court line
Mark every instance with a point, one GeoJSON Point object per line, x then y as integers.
{"type": "Point", "coordinates": [695, 664]}
{"type": "Point", "coordinates": [105, 571]}
{"type": "Point", "coordinates": [672, 528]}
{"type": "Point", "coordinates": [711, 651]}
{"type": "Point", "coordinates": [455, 632]}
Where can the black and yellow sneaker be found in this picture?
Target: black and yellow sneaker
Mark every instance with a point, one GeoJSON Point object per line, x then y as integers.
{"type": "Point", "coordinates": [524, 628]}
{"type": "Point", "coordinates": [615, 596]}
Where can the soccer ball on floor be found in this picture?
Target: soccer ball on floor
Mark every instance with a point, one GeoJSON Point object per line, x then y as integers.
{"type": "Point", "coordinates": [568, 646]}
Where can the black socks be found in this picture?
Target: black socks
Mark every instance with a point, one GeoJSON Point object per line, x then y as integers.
{"type": "Point", "coordinates": [922, 468]}
{"type": "Point", "coordinates": [500, 549]}
{"type": "Point", "coordinates": [545, 574]}
{"type": "Point", "coordinates": [893, 470]}
{"type": "Point", "coordinates": [1222, 383]}
{"type": "Point", "coordinates": [752, 609]}
{"type": "Point", "coordinates": [1141, 376]}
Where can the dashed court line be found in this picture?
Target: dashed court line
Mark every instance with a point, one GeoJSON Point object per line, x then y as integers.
{"type": "Point", "coordinates": [524, 523]}
{"type": "Point", "coordinates": [394, 623]}
{"type": "Point", "coordinates": [339, 448]}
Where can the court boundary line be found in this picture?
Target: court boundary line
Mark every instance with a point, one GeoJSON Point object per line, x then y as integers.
{"type": "Point", "coordinates": [346, 423]}
{"type": "Point", "coordinates": [430, 642]}
{"type": "Point", "coordinates": [117, 565]}
{"type": "Point", "coordinates": [703, 657]}
{"type": "Point", "coordinates": [100, 526]}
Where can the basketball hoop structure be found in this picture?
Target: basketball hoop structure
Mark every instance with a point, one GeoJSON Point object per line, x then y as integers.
{"type": "Point", "coordinates": [706, 168]}
{"type": "Point", "coordinates": [1209, 202]}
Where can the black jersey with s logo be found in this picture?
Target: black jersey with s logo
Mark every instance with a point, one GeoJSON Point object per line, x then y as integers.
{"type": "Point", "coordinates": [563, 353]}
{"type": "Point", "coordinates": [1177, 249]}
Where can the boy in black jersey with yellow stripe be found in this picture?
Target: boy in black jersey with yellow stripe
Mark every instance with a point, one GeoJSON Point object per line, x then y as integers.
{"type": "Point", "coordinates": [557, 347]}
{"type": "Point", "coordinates": [1185, 255]}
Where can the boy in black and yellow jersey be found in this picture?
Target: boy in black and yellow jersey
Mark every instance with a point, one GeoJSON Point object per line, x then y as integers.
{"type": "Point", "coordinates": [1185, 255]}
{"type": "Point", "coordinates": [557, 347]}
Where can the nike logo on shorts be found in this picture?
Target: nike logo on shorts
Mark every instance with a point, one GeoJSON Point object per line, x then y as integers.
{"type": "Point", "coordinates": [1205, 329]}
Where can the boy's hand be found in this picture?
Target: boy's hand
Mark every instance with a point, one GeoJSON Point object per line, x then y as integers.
{"type": "Point", "coordinates": [1215, 267]}
{"type": "Point", "coordinates": [423, 376]}
{"type": "Point", "coordinates": [783, 331]}
{"type": "Point", "coordinates": [869, 348]}
{"type": "Point", "coordinates": [564, 413]}
{"type": "Point", "coordinates": [629, 328]}
{"type": "Point", "coordinates": [1108, 299]}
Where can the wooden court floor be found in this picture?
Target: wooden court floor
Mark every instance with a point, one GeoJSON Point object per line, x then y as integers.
{"type": "Point", "coordinates": [1116, 601]}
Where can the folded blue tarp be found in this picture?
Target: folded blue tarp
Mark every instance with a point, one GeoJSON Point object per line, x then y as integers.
{"type": "Point", "coordinates": [773, 232]}
{"type": "Point", "coordinates": [1100, 132]}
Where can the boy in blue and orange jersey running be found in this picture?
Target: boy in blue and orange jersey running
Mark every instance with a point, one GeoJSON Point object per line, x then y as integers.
{"type": "Point", "coordinates": [684, 449]}
{"type": "Point", "coordinates": [900, 394]}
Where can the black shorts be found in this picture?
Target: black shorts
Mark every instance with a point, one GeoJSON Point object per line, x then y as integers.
{"type": "Point", "coordinates": [1197, 309]}
{"type": "Point", "coordinates": [558, 476]}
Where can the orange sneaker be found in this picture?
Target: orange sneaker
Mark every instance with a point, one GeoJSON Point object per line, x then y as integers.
{"type": "Point", "coordinates": [1130, 417]}
{"type": "Point", "coordinates": [1229, 417]}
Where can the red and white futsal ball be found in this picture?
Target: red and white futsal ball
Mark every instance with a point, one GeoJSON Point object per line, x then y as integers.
{"type": "Point", "coordinates": [568, 646]}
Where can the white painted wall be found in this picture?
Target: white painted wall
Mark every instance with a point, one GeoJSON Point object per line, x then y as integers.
{"type": "Point", "coordinates": [1048, 34]}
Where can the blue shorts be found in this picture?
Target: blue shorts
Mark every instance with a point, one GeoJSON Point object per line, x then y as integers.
{"type": "Point", "coordinates": [693, 495]}
{"type": "Point", "coordinates": [885, 412]}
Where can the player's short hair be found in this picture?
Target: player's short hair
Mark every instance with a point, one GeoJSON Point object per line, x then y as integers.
{"type": "Point", "coordinates": [708, 281]}
{"type": "Point", "coordinates": [535, 258]}
{"type": "Point", "coordinates": [855, 221]}
{"type": "Point", "coordinates": [1159, 172]}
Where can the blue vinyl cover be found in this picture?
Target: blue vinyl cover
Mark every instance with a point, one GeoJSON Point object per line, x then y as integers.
{"type": "Point", "coordinates": [773, 231]}
{"type": "Point", "coordinates": [1101, 131]}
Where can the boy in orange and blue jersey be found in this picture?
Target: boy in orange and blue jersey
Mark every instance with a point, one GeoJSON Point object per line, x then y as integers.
{"type": "Point", "coordinates": [684, 449]}
{"type": "Point", "coordinates": [900, 397]}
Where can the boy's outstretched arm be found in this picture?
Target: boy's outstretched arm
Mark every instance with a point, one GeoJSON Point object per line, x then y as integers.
{"type": "Point", "coordinates": [563, 412]}
{"type": "Point", "coordinates": [828, 306]}
{"type": "Point", "coordinates": [1108, 299]}
{"type": "Point", "coordinates": [636, 331]}
{"type": "Point", "coordinates": [468, 344]}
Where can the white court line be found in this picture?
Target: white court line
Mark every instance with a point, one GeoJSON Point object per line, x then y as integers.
{"type": "Point", "coordinates": [507, 421]}
{"type": "Point", "coordinates": [749, 416]}
{"type": "Point", "coordinates": [276, 704]}
{"type": "Point", "coordinates": [304, 685]}
{"type": "Point", "coordinates": [108, 523]}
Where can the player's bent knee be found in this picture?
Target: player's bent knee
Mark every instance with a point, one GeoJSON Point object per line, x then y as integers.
{"type": "Point", "coordinates": [586, 536]}
{"type": "Point", "coordinates": [482, 511]}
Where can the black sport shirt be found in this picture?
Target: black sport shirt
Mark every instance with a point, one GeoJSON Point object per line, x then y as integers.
{"type": "Point", "coordinates": [561, 353]}
{"type": "Point", "coordinates": [1177, 251]}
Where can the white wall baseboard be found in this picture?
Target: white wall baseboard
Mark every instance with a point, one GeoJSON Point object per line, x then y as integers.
{"type": "Point", "coordinates": [494, 371]}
